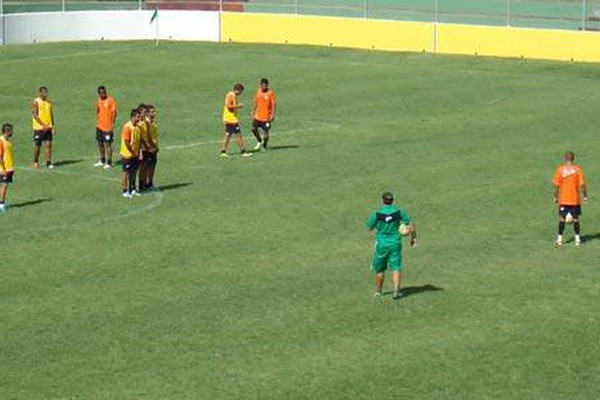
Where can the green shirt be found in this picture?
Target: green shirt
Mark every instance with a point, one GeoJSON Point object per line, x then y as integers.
{"type": "Point", "coordinates": [386, 221]}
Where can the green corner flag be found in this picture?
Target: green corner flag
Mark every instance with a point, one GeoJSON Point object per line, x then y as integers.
{"type": "Point", "coordinates": [154, 15]}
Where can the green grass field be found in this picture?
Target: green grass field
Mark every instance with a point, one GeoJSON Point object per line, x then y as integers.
{"type": "Point", "coordinates": [248, 279]}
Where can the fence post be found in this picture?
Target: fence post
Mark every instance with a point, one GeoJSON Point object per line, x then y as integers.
{"type": "Point", "coordinates": [584, 15]}
{"type": "Point", "coordinates": [220, 6]}
{"type": "Point", "coordinates": [64, 8]}
{"type": "Point", "coordinates": [508, 12]}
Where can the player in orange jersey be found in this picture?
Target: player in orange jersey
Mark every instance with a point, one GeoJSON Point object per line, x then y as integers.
{"type": "Point", "coordinates": [106, 115]}
{"type": "Point", "coordinates": [263, 114]}
{"type": "Point", "coordinates": [569, 188]}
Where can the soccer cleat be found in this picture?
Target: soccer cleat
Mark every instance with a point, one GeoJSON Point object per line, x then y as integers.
{"type": "Point", "coordinates": [258, 146]}
{"type": "Point", "coordinates": [224, 155]}
{"type": "Point", "coordinates": [246, 154]}
{"type": "Point", "coordinates": [578, 242]}
{"type": "Point", "coordinates": [107, 166]}
{"type": "Point", "coordinates": [3, 208]}
{"type": "Point", "coordinates": [126, 195]}
{"type": "Point", "coordinates": [50, 166]}
{"type": "Point", "coordinates": [135, 193]}
{"type": "Point", "coordinates": [377, 297]}
{"type": "Point", "coordinates": [558, 243]}
{"type": "Point", "coordinates": [397, 295]}
{"type": "Point", "coordinates": [99, 164]}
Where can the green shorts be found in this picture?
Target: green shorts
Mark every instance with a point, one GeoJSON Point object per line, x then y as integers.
{"type": "Point", "coordinates": [387, 255]}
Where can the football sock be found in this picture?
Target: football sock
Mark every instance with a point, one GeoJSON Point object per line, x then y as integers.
{"type": "Point", "coordinates": [257, 136]}
{"type": "Point", "coordinates": [576, 228]}
{"type": "Point", "coordinates": [265, 141]}
{"type": "Point", "coordinates": [561, 227]}
{"type": "Point", "coordinates": [48, 163]}
{"type": "Point", "coordinates": [109, 161]}
{"type": "Point", "coordinates": [103, 160]}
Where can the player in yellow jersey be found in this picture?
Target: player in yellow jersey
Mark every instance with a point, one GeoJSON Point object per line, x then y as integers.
{"type": "Point", "coordinates": [143, 126]}
{"type": "Point", "coordinates": [150, 156]}
{"type": "Point", "coordinates": [231, 121]}
{"type": "Point", "coordinates": [130, 153]}
{"type": "Point", "coordinates": [6, 163]}
{"type": "Point", "coordinates": [44, 127]}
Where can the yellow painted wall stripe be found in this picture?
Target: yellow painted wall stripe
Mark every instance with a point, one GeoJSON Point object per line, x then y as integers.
{"type": "Point", "coordinates": [326, 31]}
{"type": "Point", "coordinates": [411, 36]}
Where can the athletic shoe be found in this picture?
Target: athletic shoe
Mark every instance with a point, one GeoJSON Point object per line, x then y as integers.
{"type": "Point", "coordinates": [258, 146]}
{"type": "Point", "coordinates": [224, 155]}
{"type": "Point", "coordinates": [99, 164]}
{"type": "Point", "coordinates": [126, 195]}
{"type": "Point", "coordinates": [397, 295]}
{"type": "Point", "coordinates": [50, 166]}
{"type": "Point", "coordinates": [3, 208]}
{"type": "Point", "coordinates": [377, 297]}
{"type": "Point", "coordinates": [558, 243]}
{"type": "Point", "coordinates": [135, 193]}
{"type": "Point", "coordinates": [577, 242]}
{"type": "Point", "coordinates": [107, 166]}
{"type": "Point", "coordinates": [246, 154]}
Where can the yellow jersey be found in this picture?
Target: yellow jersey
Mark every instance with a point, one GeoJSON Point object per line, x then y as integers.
{"type": "Point", "coordinates": [130, 134]}
{"type": "Point", "coordinates": [230, 117]}
{"type": "Point", "coordinates": [142, 127]}
{"type": "Point", "coordinates": [153, 136]}
{"type": "Point", "coordinates": [6, 154]}
{"type": "Point", "coordinates": [44, 112]}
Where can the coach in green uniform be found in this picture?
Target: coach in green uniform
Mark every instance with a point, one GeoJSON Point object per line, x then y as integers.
{"type": "Point", "coordinates": [388, 246]}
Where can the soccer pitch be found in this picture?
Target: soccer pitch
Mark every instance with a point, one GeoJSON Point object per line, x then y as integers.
{"type": "Point", "coordinates": [248, 278]}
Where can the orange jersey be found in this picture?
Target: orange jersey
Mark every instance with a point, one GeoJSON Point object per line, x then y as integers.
{"type": "Point", "coordinates": [265, 105]}
{"type": "Point", "coordinates": [106, 111]}
{"type": "Point", "coordinates": [569, 179]}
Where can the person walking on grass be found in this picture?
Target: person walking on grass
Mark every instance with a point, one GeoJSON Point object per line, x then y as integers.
{"type": "Point", "coordinates": [385, 222]}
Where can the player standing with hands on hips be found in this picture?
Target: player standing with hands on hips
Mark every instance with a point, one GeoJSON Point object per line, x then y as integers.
{"type": "Point", "coordinates": [569, 186]}
{"type": "Point", "coordinates": [388, 242]}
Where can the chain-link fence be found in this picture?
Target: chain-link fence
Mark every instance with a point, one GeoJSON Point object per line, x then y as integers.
{"type": "Point", "coordinates": [554, 14]}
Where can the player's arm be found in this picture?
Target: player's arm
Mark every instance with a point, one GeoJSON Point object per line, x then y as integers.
{"type": "Point", "coordinates": [53, 122]}
{"type": "Point", "coordinates": [128, 136]}
{"type": "Point", "coordinates": [254, 107]}
{"type": "Point", "coordinates": [273, 108]}
{"type": "Point", "coordinates": [36, 115]}
{"type": "Point", "coordinates": [556, 192]}
{"type": "Point", "coordinates": [583, 187]}
{"type": "Point", "coordinates": [231, 104]}
{"type": "Point", "coordinates": [2, 167]}
{"type": "Point", "coordinates": [372, 222]}
{"type": "Point", "coordinates": [114, 116]}
{"type": "Point", "coordinates": [412, 228]}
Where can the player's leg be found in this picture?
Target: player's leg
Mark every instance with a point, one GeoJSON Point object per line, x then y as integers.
{"type": "Point", "coordinates": [396, 267]}
{"type": "Point", "coordinates": [125, 177]}
{"type": "Point", "coordinates": [225, 143]}
{"type": "Point", "coordinates": [256, 134]}
{"type": "Point", "coordinates": [101, 150]}
{"type": "Point", "coordinates": [133, 177]}
{"type": "Point", "coordinates": [142, 174]}
{"type": "Point", "coordinates": [3, 191]}
{"type": "Point", "coordinates": [379, 265]}
{"type": "Point", "coordinates": [108, 148]}
{"type": "Point", "coordinates": [37, 144]}
{"type": "Point", "coordinates": [265, 138]}
{"type": "Point", "coordinates": [151, 169]}
{"type": "Point", "coordinates": [576, 212]}
{"type": "Point", "coordinates": [562, 213]}
{"type": "Point", "coordinates": [48, 153]}
{"type": "Point", "coordinates": [239, 140]}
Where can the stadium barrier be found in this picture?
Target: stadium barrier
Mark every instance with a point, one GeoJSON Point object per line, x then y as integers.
{"type": "Point", "coordinates": [412, 36]}
{"type": "Point", "coordinates": [109, 25]}
{"type": "Point", "coordinates": [302, 29]}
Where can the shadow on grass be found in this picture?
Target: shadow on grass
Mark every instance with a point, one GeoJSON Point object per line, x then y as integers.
{"type": "Point", "coordinates": [174, 186]}
{"type": "Point", "coordinates": [286, 147]}
{"type": "Point", "coordinates": [412, 290]}
{"type": "Point", "coordinates": [586, 238]}
{"type": "Point", "coordinates": [62, 163]}
{"type": "Point", "coordinates": [29, 203]}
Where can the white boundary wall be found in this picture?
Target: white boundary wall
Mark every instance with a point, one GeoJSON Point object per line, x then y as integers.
{"type": "Point", "coordinates": [109, 25]}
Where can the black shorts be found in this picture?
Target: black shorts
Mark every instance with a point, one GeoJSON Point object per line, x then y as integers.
{"type": "Point", "coordinates": [130, 164]}
{"type": "Point", "coordinates": [7, 178]}
{"type": "Point", "coordinates": [264, 125]}
{"type": "Point", "coordinates": [103, 136]}
{"type": "Point", "coordinates": [563, 210]}
{"type": "Point", "coordinates": [42, 136]}
{"type": "Point", "coordinates": [149, 157]}
{"type": "Point", "coordinates": [233, 129]}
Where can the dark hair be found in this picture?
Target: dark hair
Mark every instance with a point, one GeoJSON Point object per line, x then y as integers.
{"type": "Point", "coordinates": [43, 88]}
{"type": "Point", "coordinates": [134, 112]}
{"type": "Point", "coordinates": [239, 87]}
{"type": "Point", "coordinates": [387, 197]}
{"type": "Point", "coordinates": [6, 126]}
{"type": "Point", "coordinates": [264, 81]}
{"type": "Point", "coordinates": [101, 87]}
{"type": "Point", "coordinates": [150, 107]}
{"type": "Point", "coordinates": [141, 107]}
{"type": "Point", "coordinates": [570, 155]}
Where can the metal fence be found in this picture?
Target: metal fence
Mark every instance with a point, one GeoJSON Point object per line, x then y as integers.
{"type": "Point", "coordinates": [554, 14]}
